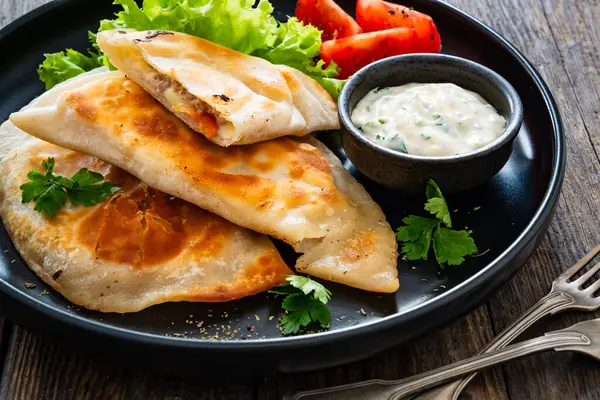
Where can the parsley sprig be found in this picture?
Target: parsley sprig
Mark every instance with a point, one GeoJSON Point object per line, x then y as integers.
{"type": "Point", "coordinates": [50, 190]}
{"type": "Point", "coordinates": [305, 302]}
{"type": "Point", "coordinates": [449, 246]}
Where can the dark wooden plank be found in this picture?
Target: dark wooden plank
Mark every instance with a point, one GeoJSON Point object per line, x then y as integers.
{"type": "Point", "coordinates": [39, 369]}
{"type": "Point", "coordinates": [561, 39]}
{"type": "Point", "coordinates": [459, 340]}
{"type": "Point", "coordinates": [12, 9]}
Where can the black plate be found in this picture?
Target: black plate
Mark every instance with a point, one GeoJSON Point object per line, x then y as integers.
{"type": "Point", "coordinates": [516, 207]}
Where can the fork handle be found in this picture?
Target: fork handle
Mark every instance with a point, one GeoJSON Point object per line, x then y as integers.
{"type": "Point", "coordinates": [395, 390]}
{"type": "Point", "coordinates": [550, 304]}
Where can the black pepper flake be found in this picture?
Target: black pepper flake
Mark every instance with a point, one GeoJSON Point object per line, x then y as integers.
{"type": "Point", "coordinates": [223, 97]}
{"type": "Point", "coordinates": [57, 274]}
{"type": "Point", "coordinates": [122, 32]}
{"type": "Point", "coordinates": [158, 33]}
{"type": "Point", "coordinates": [250, 327]}
{"type": "Point", "coordinates": [392, 12]}
{"type": "Point", "coordinates": [30, 285]}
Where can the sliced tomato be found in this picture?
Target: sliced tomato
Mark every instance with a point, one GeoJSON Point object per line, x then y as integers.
{"type": "Point", "coordinates": [377, 15]}
{"type": "Point", "coordinates": [328, 17]}
{"type": "Point", "coordinates": [354, 52]}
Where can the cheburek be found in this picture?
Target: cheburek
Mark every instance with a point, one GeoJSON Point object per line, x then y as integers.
{"type": "Point", "coordinates": [140, 248]}
{"type": "Point", "coordinates": [228, 96]}
{"type": "Point", "coordinates": [296, 191]}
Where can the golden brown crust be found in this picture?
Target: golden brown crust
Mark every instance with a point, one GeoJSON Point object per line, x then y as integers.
{"type": "Point", "coordinates": [229, 97]}
{"type": "Point", "coordinates": [139, 248]}
{"type": "Point", "coordinates": [297, 191]}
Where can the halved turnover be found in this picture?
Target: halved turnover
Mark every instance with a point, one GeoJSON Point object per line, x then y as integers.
{"type": "Point", "coordinates": [296, 191]}
{"type": "Point", "coordinates": [139, 248]}
{"type": "Point", "coordinates": [229, 97]}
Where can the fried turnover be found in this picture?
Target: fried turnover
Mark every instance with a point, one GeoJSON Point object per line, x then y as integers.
{"type": "Point", "coordinates": [296, 191]}
{"type": "Point", "coordinates": [228, 96]}
{"type": "Point", "coordinates": [140, 248]}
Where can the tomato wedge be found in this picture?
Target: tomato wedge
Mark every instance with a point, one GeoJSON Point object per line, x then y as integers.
{"type": "Point", "coordinates": [377, 15]}
{"type": "Point", "coordinates": [328, 17]}
{"type": "Point", "coordinates": [354, 52]}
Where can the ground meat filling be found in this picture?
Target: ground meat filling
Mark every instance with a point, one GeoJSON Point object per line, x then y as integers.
{"type": "Point", "coordinates": [200, 113]}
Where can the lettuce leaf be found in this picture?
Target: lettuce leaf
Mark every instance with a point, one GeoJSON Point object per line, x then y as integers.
{"type": "Point", "coordinates": [297, 45]}
{"type": "Point", "coordinates": [58, 67]}
{"type": "Point", "coordinates": [231, 23]}
{"type": "Point", "coordinates": [331, 85]}
{"type": "Point", "coordinates": [236, 24]}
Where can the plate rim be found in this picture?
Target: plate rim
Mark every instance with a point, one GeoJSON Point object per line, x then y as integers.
{"type": "Point", "coordinates": [528, 233]}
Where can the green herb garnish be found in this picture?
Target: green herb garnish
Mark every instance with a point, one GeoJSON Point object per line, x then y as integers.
{"type": "Point", "coordinates": [418, 233]}
{"type": "Point", "coordinates": [49, 191]}
{"type": "Point", "coordinates": [399, 145]}
{"type": "Point", "coordinates": [305, 303]}
{"type": "Point", "coordinates": [436, 203]}
{"type": "Point", "coordinates": [58, 67]}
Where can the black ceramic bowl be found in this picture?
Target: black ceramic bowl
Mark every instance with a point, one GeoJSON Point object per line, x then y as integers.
{"type": "Point", "coordinates": [409, 172]}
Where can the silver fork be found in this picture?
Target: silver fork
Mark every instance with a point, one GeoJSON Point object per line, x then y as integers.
{"type": "Point", "coordinates": [564, 295]}
{"type": "Point", "coordinates": [583, 337]}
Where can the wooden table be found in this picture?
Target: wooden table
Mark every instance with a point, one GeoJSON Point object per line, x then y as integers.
{"type": "Point", "coordinates": [562, 39]}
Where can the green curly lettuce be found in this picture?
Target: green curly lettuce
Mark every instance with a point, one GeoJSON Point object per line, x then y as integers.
{"type": "Point", "coordinates": [58, 67]}
{"type": "Point", "coordinates": [231, 23]}
{"type": "Point", "coordinates": [237, 24]}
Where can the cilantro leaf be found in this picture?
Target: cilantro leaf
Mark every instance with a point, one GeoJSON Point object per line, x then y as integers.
{"type": "Point", "coordinates": [452, 246]}
{"type": "Point", "coordinates": [50, 191]}
{"type": "Point", "coordinates": [283, 290]}
{"type": "Point", "coordinates": [48, 166]}
{"type": "Point", "coordinates": [436, 203]}
{"type": "Point", "coordinates": [305, 303]}
{"type": "Point", "coordinates": [86, 189]}
{"type": "Point", "coordinates": [416, 236]}
{"type": "Point", "coordinates": [419, 233]}
{"type": "Point", "coordinates": [322, 314]}
{"type": "Point", "coordinates": [295, 320]}
{"type": "Point", "coordinates": [64, 181]}
{"type": "Point", "coordinates": [302, 311]}
{"type": "Point", "coordinates": [36, 175]}
{"type": "Point", "coordinates": [34, 189]}
{"type": "Point", "coordinates": [307, 285]}
{"type": "Point", "coordinates": [51, 200]}
{"type": "Point", "coordinates": [91, 195]}
{"type": "Point", "coordinates": [84, 177]}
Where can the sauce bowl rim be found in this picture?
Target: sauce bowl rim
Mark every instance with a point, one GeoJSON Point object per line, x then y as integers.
{"type": "Point", "coordinates": [514, 116]}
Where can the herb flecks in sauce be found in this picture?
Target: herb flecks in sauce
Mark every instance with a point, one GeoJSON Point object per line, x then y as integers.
{"type": "Point", "coordinates": [433, 119]}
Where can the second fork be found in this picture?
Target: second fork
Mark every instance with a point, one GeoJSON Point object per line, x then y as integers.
{"type": "Point", "coordinates": [564, 295]}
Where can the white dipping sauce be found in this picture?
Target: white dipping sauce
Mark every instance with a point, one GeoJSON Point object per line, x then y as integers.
{"type": "Point", "coordinates": [428, 119]}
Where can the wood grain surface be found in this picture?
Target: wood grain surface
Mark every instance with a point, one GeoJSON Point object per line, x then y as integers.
{"type": "Point", "coordinates": [562, 39]}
